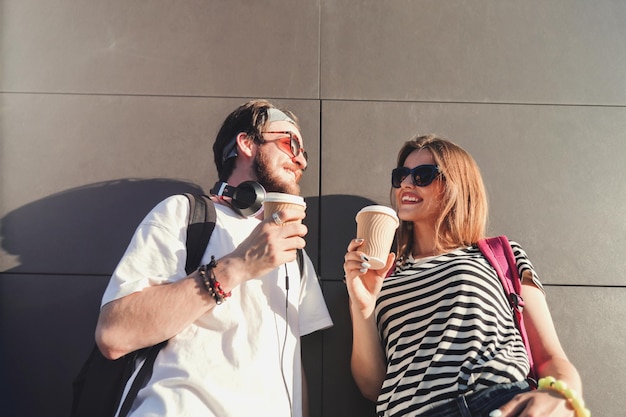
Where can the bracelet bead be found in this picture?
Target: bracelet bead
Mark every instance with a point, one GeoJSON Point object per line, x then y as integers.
{"type": "Point", "coordinates": [211, 283]}
{"type": "Point", "coordinates": [576, 402]}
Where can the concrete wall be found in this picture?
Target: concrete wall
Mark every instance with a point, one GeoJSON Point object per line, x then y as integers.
{"type": "Point", "coordinates": [107, 107]}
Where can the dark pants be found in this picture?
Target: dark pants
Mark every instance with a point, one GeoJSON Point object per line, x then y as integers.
{"type": "Point", "coordinates": [480, 403]}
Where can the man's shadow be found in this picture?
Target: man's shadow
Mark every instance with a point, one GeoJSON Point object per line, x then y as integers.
{"type": "Point", "coordinates": [59, 253]}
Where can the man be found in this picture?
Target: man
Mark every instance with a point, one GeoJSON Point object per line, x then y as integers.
{"type": "Point", "coordinates": [234, 325]}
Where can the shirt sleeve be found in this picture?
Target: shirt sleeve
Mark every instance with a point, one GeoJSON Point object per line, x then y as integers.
{"type": "Point", "coordinates": [525, 267]}
{"type": "Point", "coordinates": [313, 313]}
{"type": "Point", "coordinates": [155, 253]}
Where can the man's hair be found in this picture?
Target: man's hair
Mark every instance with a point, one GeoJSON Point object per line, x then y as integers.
{"type": "Point", "coordinates": [250, 118]}
{"type": "Point", "coordinates": [464, 208]}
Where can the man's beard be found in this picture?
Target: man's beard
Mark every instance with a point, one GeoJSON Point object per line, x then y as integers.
{"type": "Point", "coordinates": [271, 183]}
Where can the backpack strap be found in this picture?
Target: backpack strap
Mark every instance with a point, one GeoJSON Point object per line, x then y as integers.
{"type": "Point", "coordinates": [200, 226]}
{"type": "Point", "coordinates": [500, 255]}
{"type": "Point", "coordinates": [300, 260]}
{"type": "Point", "coordinates": [497, 250]}
{"type": "Point", "coordinates": [142, 377]}
{"type": "Point", "coordinates": [202, 219]}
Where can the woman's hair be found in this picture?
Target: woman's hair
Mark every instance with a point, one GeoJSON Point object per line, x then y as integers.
{"type": "Point", "coordinates": [464, 208]}
{"type": "Point", "coordinates": [250, 118]}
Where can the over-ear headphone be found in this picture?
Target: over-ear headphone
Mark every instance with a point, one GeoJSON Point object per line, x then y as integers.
{"type": "Point", "coordinates": [247, 197]}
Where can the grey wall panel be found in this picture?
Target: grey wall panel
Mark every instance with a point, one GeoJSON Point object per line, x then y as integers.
{"type": "Point", "coordinates": [554, 175]}
{"type": "Point", "coordinates": [313, 360]}
{"type": "Point", "coordinates": [56, 142]}
{"type": "Point", "coordinates": [47, 331]}
{"type": "Point", "coordinates": [341, 395]}
{"type": "Point", "coordinates": [79, 172]}
{"type": "Point", "coordinates": [590, 326]}
{"type": "Point", "coordinates": [481, 51]}
{"type": "Point", "coordinates": [197, 48]}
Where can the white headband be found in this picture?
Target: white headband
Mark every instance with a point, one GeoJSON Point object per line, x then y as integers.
{"type": "Point", "coordinates": [275, 115]}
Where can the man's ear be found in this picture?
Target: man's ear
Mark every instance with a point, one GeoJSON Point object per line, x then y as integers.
{"type": "Point", "coordinates": [246, 145]}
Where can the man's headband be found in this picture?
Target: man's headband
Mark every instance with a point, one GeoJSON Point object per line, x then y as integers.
{"type": "Point", "coordinates": [273, 115]}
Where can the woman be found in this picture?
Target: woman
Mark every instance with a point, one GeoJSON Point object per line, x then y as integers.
{"type": "Point", "coordinates": [436, 337]}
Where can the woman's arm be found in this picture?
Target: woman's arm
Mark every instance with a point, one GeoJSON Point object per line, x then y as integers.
{"type": "Point", "coordinates": [368, 361]}
{"type": "Point", "coordinates": [548, 354]}
{"type": "Point", "coordinates": [550, 360]}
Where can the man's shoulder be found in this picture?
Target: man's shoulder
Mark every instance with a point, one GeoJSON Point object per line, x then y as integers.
{"type": "Point", "coordinates": [170, 212]}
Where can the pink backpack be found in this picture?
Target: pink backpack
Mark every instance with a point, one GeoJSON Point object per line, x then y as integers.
{"type": "Point", "coordinates": [500, 255]}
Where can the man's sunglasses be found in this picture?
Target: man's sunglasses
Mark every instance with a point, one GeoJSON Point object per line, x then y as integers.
{"type": "Point", "coordinates": [422, 175]}
{"type": "Point", "coordinates": [289, 144]}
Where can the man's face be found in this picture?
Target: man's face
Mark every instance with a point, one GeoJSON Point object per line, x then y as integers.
{"type": "Point", "coordinates": [277, 167]}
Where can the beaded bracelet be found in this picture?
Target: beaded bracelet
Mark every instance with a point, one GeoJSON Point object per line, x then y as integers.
{"type": "Point", "coordinates": [570, 395]}
{"type": "Point", "coordinates": [211, 283]}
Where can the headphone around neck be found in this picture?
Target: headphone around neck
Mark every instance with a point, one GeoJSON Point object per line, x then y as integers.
{"type": "Point", "coordinates": [247, 197]}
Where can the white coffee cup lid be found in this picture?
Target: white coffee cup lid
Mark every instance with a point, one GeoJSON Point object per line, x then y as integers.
{"type": "Point", "coordinates": [380, 209]}
{"type": "Point", "coordinates": [284, 198]}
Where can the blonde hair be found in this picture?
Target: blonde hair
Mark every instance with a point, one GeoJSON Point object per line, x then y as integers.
{"type": "Point", "coordinates": [464, 208]}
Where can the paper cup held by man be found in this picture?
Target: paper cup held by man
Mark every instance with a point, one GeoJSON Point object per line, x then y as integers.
{"type": "Point", "coordinates": [275, 202]}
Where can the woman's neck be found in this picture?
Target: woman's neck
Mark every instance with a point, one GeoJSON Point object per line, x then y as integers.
{"type": "Point", "coordinates": [424, 242]}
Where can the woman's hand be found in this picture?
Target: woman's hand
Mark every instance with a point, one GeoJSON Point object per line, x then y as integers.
{"type": "Point", "coordinates": [363, 283]}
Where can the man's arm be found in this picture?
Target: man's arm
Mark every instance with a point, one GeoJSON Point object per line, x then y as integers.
{"type": "Point", "coordinates": [160, 312]}
{"type": "Point", "coordinates": [150, 316]}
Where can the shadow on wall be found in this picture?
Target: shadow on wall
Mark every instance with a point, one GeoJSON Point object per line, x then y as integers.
{"type": "Point", "coordinates": [338, 226]}
{"type": "Point", "coordinates": [68, 244]}
{"type": "Point", "coordinates": [83, 230]}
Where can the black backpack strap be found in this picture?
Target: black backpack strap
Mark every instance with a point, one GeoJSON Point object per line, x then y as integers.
{"type": "Point", "coordinates": [202, 219]}
{"type": "Point", "coordinates": [300, 260]}
{"type": "Point", "coordinates": [142, 377]}
{"type": "Point", "coordinates": [201, 223]}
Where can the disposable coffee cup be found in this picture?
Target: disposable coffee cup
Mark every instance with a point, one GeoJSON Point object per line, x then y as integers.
{"type": "Point", "coordinates": [377, 226]}
{"type": "Point", "coordinates": [275, 202]}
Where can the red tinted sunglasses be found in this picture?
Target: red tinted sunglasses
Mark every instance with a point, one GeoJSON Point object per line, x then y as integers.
{"type": "Point", "coordinates": [289, 144]}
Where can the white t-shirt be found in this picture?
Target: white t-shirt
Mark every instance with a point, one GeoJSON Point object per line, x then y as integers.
{"type": "Point", "coordinates": [240, 358]}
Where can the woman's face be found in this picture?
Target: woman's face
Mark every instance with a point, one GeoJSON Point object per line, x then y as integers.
{"type": "Point", "coordinates": [419, 204]}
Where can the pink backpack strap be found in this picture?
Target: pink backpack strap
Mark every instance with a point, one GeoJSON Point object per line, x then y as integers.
{"type": "Point", "coordinates": [497, 250]}
{"type": "Point", "coordinates": [500, 255]}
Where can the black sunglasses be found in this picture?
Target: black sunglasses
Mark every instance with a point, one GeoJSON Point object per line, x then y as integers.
{"type": "Point", "coordinates": [292, 147]}
{"type": "Point", "coordinates": [422, 175]}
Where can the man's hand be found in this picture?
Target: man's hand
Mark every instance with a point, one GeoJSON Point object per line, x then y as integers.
{"type": "Point", "coordinates": [270, 245]}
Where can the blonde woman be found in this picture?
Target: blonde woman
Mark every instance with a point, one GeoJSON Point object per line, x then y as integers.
{"type": "Point", "coordinates": [436, 337]}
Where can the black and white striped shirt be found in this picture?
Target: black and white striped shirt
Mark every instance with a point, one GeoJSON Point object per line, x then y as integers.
{"type": "Point", "coordinates": [447, 329]}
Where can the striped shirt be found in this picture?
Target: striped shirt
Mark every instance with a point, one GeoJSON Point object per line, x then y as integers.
{"type": "Point", "coordinates": [447, 329]}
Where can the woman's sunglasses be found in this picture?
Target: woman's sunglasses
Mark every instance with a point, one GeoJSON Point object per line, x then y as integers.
{"type": "Point", "coordinates": [289, 144]}
{"type": "Point", "coordinates": [422, 175]}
